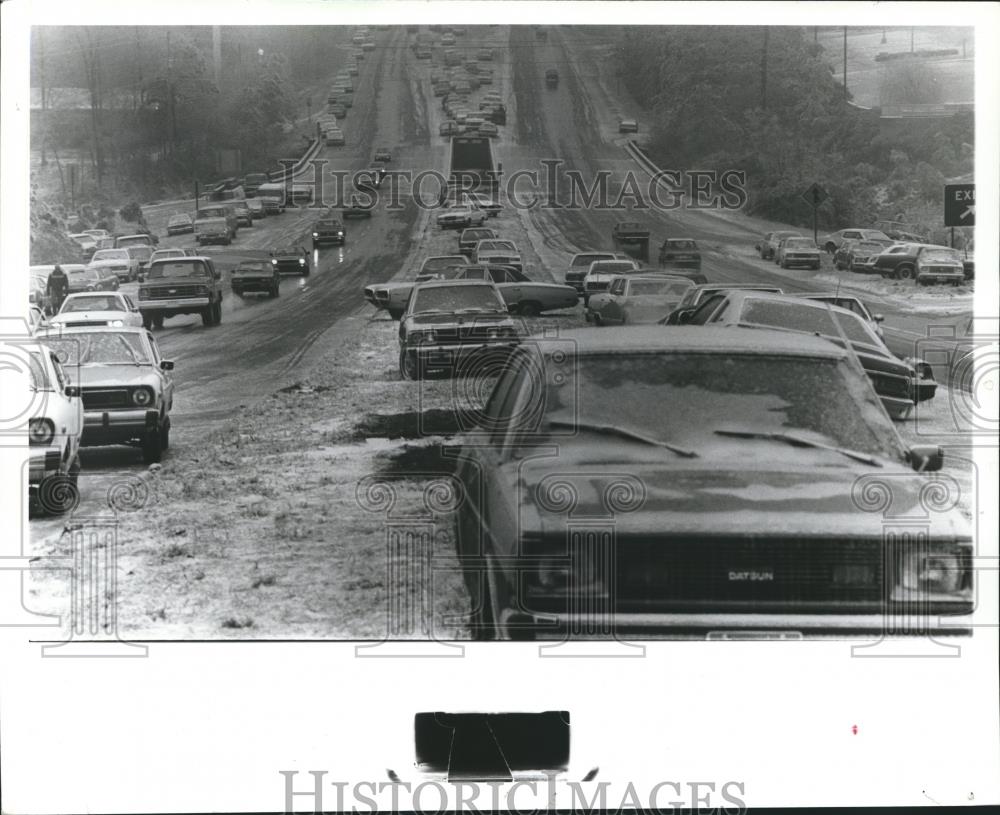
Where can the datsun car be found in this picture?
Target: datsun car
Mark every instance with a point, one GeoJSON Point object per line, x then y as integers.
{"type": "Point", "coordinates": [126, 386]}
{"type": "Point", "coordinates": [715, 484]}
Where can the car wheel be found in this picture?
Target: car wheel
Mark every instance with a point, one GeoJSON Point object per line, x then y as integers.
{"type": "Point", "coordinates": [165, 434]}
{"type": "Point", "coordinates": [782, 264]}
{"type": "Point", "coordinates": [529, 309]}
{"type": "Point", "coordinates": [206, 315]}
{"type": "Point", "coordinates": [395, 314]}
{"type": "Point", "coordinates": [905, 272]}
{"type": "Point", "coordinates": [831, 248]}
{"type": "Point", "coordinates": [409, 367]}
{"type": "Point", "coordinates": [152, 446]}
{"type": "Point", "coordinates": [217, 313]}
{"type": "Point", "coordinates": [598, 320]}
{"type": "Point", "coordinates": [238, 292]}
{"type": "Point", "coordinates": [157, 321]}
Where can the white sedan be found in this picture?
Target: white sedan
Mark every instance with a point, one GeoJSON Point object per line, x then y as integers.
{"type": "Point", "coordinates": [98, 308]}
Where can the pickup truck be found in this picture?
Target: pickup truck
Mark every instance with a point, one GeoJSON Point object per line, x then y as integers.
{"type": "Point", "coordinates": [632, 239]}
{"type": "Point", "coordinates": [215, 223]}
{"type": "Point", "coordinates": [189, 285]}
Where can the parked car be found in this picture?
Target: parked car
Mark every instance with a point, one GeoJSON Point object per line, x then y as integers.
{"type": "Point", "coordinates": [82, 278]}
{"type": "Point", "coordinates": [579, 265]}
{"type": "Point", "coordinates": [797, 252]}
{"type": "Point", "coordinates": [901, 231]}
{"type": "Point", "coordinates": [628, 126]}
{"type": "Point", "coordinates": [334, 136]}
{"type": "Point", "coordinates": [113, 309]}
{"type": "Point", "coordinates": [291, 260]}
{"type": "Point", "coordinates": [121, 262]}
{"type": "Point", "coordinates": [498, 251]}
{"type": "Point", "coordinates": [383, 154]}
{"type": "Point", "coordinates": [328, 229]}
{"type": "Point", "coordinates": [470, 237]}
{"type": "Point", "coordinates": [448, 324]}
{"type": "Point", "coordinates": [940, 265]}
{"type": "Point", "coordinates": [256, 207]}
{"type": "Point", "coordinates": [700, 293]}
{"type": "Point", "coordinates": [899, 383]}
{"type": "Point", "coordinates": [602, 272]}
{"type": "Point", "coordinates": [107, 278]}
{"type": "Point", "coordinates": [54, 432]}
{"type": "Point", "coordinates": [460, 216]}
{"type": "Point", "coordinates": [874, 320]}
{"type": "Point", "coordinates": [831, 242]}
{"type": "Point", "coordinates": [255, 276]}
{"type": "Point", "coordinates": [522, 295]}
{"type": "Point", "coordinates": [188, 285]}
{"type": "Point", "coordinates": [900, 262]}
{"type": "Point", "coordinates": [126, 386]}
{"type": "Point", "coordinates": [768, 245]}
{"type": "Point", "coordinates": [38, 279]}
{"type": "Point", "coordinates": [680, 253]}
{"type": "Point", "coordinates": [697, 450]}
{"type": "Point", "coordinates": [638, 298]}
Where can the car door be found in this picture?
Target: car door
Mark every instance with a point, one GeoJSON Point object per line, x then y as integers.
{"type": "Point", "coordinates": [611, 310]}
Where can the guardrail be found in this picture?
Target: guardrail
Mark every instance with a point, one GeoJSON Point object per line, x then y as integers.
{"type": "Point", "coordinates": [300, 165]}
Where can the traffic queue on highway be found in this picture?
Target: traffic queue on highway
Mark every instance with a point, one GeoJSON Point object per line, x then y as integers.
{"type": "Point", "coordinates": [701, 393]}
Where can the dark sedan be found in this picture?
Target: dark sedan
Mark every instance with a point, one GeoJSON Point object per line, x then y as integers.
{"type": "Point", "coordinates": [590, 511]}
{"type": "Point", "coordinates": [291, 260]}
{"type": "Point", "coordinates": [900, 383]}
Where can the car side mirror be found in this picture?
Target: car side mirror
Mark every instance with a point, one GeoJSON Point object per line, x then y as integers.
{"type": "Point", "coordinates": [926, 458]}
{"type": "Point", "coordinates": [72, 391]}
{"type": "Point", "coordinates": [878, 317]}
{"type": "Point", "coordinates": [166, 364]}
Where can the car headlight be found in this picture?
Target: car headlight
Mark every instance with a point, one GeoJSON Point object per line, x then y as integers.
{"type": "Point", "coordinates": [116, 323]}
{"type": "Point", "coordinates": [340, 234]}
{"type": "Point", "coordinates": [302, 261]}
{"type": "Point", "coordinates": [420, 336]}
{"type": "Point", "coordinates": [315, 234]}
{"type": "Point", "coordinates": [925, 573]}
{"type": "Point", "coordinates": [41, 431]}
{"type": "Point", "coordinates": [274, 261]}
{"type": "Point", "coordinates": [142, 397]}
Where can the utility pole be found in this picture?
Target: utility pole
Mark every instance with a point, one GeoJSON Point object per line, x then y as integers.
{"type": "Point", "coordinates": [845, 63]}
{"type": "Point", "coordinates": [763, 71]}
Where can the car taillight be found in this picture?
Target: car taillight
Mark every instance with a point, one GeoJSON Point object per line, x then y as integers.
{"type": "Point", "coordinates": [41, 431]}
{"type": "Point", "coordinates": [142, 397]}
{"type": "Point", "coordinates": [933, 574]}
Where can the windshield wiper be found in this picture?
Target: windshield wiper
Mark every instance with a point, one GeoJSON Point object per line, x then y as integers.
{"type": "Point", "coordinates": [625, 434]}
{"type": "Point", "coordinates": [798, 441]}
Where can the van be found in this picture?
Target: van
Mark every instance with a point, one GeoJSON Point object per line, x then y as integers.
{"type": "Point", "coordinates": [273, 196]}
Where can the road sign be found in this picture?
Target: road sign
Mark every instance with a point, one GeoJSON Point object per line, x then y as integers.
{"type": "Point", "coordinates": [960, 205]}
{"type": "Point", "coordinates": [815, 195]}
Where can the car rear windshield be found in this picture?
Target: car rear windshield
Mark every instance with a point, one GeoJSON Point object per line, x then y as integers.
{"type": "Point", "coordinates": [505, 246]}
{"type": "Point", "coordinates": [110, 254]}
{"type": "Point", "coordinates": [254, 267]}
{"type": "Point", "coordinates": [99, 348]}
{"type": "Point", "coordinates": [818, 399]}
{"type": "Point", "coordinates": [177, 268]}
{"type": "Point", "coordinates": [437, 264]}
{"type": "Point", "coordinates": [811, 319]}
{"type": "Point", "coordinates": [867, 246]}
{"type": "Point", "coordinates": [456, 298]}
{"type": "Point", "coordinates": [212, 212]}
{"type": "Point", "coordinates": [605, 266]}
{"type": "Point", "coordinates": [679, 244]}
{"type": "Point", "coordinates": [95, 303]}
{"type": "Point", "coordinates": [940, 256]}
{"type": "Point", "coordinates": [799, 243]}
{"type": "Point", "coordinates": [179, 219]}
{"type": "Point", "coordinates": [666, 288]}
{"type": "Point", "coordinates": [586, 260]}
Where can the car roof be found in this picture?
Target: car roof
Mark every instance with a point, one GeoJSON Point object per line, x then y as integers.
{"type": "Point", "coordinates": [722, 340]}
{"type": "Point", "coordinates": [791, 299]}
{"type": "Point", "coordinates": [432, 284]}
{"type": "Point", "coordinates": [56, 331]}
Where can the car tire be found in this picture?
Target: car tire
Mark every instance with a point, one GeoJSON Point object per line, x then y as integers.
{"type": "Point", "coordinates": [409, 366]}
{"type": "Point", "coordinates": [305, 272]}
{"type": "Point", "coordinates": [529, 309]}
{"type": "Point", "coordinates": [597, 319]}
{"type": "Point", "coordinates": [273, 291]}
{"type": "Point", "coordinates": [217, 313]}
{"type": "Point", "coordinates": [905, 272]}
{"type": "Point", "coordinates": [206, 316]}
{"type": "Point", "coordinates": [782, 264]}
{"type": "Point", "coordinates": [158, 321]}
{"type": "Point", "coordinates": [165, 434]}
{"type": "Point", "coordinates": [147, 320]}
{"type": "Point", "coordinates": [152, 446]}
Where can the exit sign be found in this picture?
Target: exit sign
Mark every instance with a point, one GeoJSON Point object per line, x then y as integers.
{"type": "Point", "coordinates": [960, 205]}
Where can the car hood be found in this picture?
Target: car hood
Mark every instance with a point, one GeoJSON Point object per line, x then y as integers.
{"type": "Point", "coordinates": [112, 376]}
{"type": "Point", "coordinates": [815, 493]}
{"type": "Point", "coordinates": [79, 316]}
{"type": "Point", "coordinates": [649, 307]}
{"type": "Point", "coordinates": [445, 320]}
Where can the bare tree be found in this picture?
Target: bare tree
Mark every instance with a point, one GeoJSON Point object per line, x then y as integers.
{"type": "Point", "coordinates": [91, 55]}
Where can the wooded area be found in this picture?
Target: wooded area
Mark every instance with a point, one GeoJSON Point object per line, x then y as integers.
{"type": "Point", "coordinates": [760, 99]}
